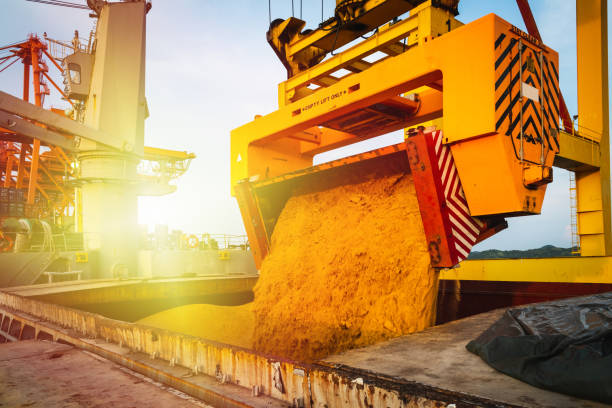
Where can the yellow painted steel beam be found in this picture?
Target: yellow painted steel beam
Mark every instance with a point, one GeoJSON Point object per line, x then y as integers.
{"type": "Point", "coordinates": [386, 35]}
{"type": "Point", "coordinates": [424, 22]}
{"type": "Point", "coordinates": [373, 14]}
{"type": "Point", "coordinates": [156, 153]}
{"type": "Point", "coordinates": [595, 269]}
{"type": "Point", "coordinates": [430, 106]}
{"type": "Point", "coordinates": [577, 153]}
{"type": "Point", "coordinates": [314, 108]}
{"type": "Point", "coordinates": [432, 23]}
{"type": "Point", "coordinates": [593, 187]}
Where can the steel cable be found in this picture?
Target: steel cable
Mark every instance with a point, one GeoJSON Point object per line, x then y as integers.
{"type": "Point", "coordinates": [14, 61]}
{"type": "Point", "coordinates": [61, 3]}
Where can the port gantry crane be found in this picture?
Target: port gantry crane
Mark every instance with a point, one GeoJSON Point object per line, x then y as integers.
{"type": "Point", "coordinates": [492, 92]}
{"type": "Point", "coordinates": [86, 167]}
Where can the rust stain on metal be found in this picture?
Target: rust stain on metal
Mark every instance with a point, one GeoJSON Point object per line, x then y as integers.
{"type": "Point", "coordinates": [310, 385]}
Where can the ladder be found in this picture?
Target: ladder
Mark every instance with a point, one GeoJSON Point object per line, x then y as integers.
{"type": "Point", "coordinates": [573, 199]}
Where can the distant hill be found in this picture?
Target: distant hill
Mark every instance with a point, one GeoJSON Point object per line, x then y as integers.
{"type": "Point", "coordinates": [547, 251]}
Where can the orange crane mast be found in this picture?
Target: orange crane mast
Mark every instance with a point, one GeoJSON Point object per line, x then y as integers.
{"type": "Point", "coordinates": [40, 175]}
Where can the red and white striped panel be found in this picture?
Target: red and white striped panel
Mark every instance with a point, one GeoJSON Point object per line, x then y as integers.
{"type": "Point", "coordinates": [465, 228]}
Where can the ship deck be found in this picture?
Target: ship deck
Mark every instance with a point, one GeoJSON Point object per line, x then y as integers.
{"type": "Point", "coordinates": [436, 360]}
{"type": "Point", "coordinates": [44, 374]}
{"type": "Point", "coordinates": [430, 369]}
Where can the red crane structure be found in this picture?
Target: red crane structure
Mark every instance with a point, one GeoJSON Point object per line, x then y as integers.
{"type": "Point", "coordinates": [34, 176]}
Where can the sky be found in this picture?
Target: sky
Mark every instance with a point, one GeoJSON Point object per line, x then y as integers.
{"type": "Point", "coordinates": [209, 70]}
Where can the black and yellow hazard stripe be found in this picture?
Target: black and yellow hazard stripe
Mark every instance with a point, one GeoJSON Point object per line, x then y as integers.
{"type": "Point", "coordinates": [551, 98]}
{"type": "Point", "coordinates": [540, 119]}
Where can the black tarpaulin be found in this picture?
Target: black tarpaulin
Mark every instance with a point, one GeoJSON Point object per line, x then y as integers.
{"type": "Point", "coordinates": [564, 346]}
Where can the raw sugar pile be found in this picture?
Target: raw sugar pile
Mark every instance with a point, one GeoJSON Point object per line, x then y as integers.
{"type": "Point", "coordinates": [348, 267]}
{"type": "Point", "coordinates": [225, 324]}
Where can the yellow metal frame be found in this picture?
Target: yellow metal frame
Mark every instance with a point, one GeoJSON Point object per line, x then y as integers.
{"type": "Point", "coordinates": [286, 140]}
{"type": "Point", "coordinates": [577, 153]}
{"type": "Point", "coordinates": [300, 50]}
{"type": "Point", "coordinates": [587, 152]}
{"type": "Point", "coordinates": [424, 23]}
{"type": "Point", "coordinates": [495, 179]}
{"type": "Point", "coordinates": [593, 186]}
{"type": "Point", "coordinates": [583, 269]}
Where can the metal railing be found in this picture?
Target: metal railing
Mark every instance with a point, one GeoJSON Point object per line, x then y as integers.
{"type": "Point", "coordinates": [177, 240]}
{"type": "Point", "coordinates": [227, 241]}
{"type": "Point", "coordinates": [39, 241]}
{"type": "Point", "coordinates": [43, 242]}
{"type": "Point", "coordinates": [69, 241]}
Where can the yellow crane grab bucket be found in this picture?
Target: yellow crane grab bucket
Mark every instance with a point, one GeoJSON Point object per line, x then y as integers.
{"type": "Point", "coordinates": [497, 91]}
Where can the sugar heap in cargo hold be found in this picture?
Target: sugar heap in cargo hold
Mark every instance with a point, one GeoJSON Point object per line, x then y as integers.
{"type": "Point", "coordinates": [348, 267]}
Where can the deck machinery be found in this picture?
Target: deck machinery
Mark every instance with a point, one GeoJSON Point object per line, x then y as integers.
{"type": "Point", "coordinates": [490, 90]}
